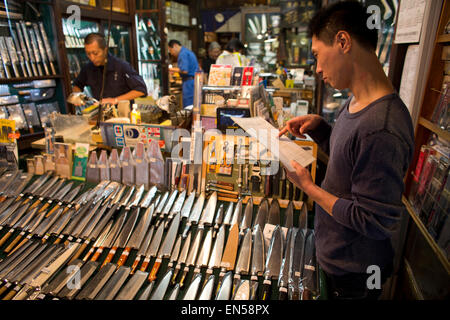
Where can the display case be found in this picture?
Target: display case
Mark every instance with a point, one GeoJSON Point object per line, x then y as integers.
{"type": "Point", "coordinates": [261, 28]}
{"type": "Point", "coordinates": [31, 85]}
{"type": "Point", "coordinates": [150, 55]}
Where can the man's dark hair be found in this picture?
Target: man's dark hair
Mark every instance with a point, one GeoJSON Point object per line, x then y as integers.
{"type": "Point", "coordinates": [95, 37]}
{"type": "Point", "coordinates": [234, 45]}
{"type": "Point", "coordinates": [350, 16]}
{"type": "Point", "coordinates": [172, 42]}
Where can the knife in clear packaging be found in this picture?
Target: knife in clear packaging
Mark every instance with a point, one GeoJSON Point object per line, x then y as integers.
{"type": "Point", "coordinates": [273, 262]}
{"type": "Point", "coordinates": [274, 213]}
{"type": "Point", "coordinates": [283, 279]}
{"type": "Point", "coordinates": [243, 261]}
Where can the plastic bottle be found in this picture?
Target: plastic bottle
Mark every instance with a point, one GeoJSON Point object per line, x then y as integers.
{"type": "Point", "coordinates": [135, 115]}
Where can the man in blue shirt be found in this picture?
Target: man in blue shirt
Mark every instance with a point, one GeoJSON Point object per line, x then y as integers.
{"type": "Point", "coordinates": [187, 67]}
{"type": "Point", "coordinates": [122, 81]}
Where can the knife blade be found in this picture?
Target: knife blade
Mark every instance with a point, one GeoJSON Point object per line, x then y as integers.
{"type": "Point", "coordinates": [175, 252]}
{"type": "Point", "coordinates": [202, 259]}
{"type": "Point", "coordinates": [92, 288]}
{"type": "Point", "coordinates": [289, 215]}
{"type": "Point", "coordinates": [274, 213]}
{"type": "Point", "coordinates": [177, 206]}
{"type": "Point", "coordinates": [310, 271]}
{"type": "Point", "coordinates": [136, 198]}
{"type": "Point", "coordinates": [303, 217]}
{"type": "Point", "coordinates": [243, 261]}
{"type": "Point", "coordinates": [100, 239]}
{"type": "Point", "coordinates": [192, 256]}
{"type": "Point", "coordinates": [111, 236]}
{"type": "Point", "coordinates": [209, 211]}
{"type": "Point", "coordinates": [228, 214]}
{"type": "Point", "coordinates": [142, 249]}
{"type": "Point", "coordinates": [225, 287]}
{"type": "Point", "coordinates": [237, 215]}
{"type": "Point", "coordinates": [229, 254]}
{"type": "Point", "coordinates": [161, 289]}
{"type": "Point", "coordinates": [242, 291]}
{"type": "Point", "coordinates": [182, 258]}
{"type": "Point", "coordinates": [208, 288]}
{"type": "Point", "coordinates": [123, 236]}
{"type": "Point", "coordinates": [174, 294]}
{"type": "Point", "coordinates": [168, 205]}
{"type": "Point", "coordinates": [166, 247]}
{"type": "Point", "coordinates": [195, 214]}
{"type": "Point", "coordinates": [218, 220]}
{"type": "Point", "coordinates": [131, 288]}
{"type": "Point", "coordinates": [286, 264]}
{"type": "Point", "coordinates": [137, 236]}
{"type": "Point", "coordinates": [187, 206]}
{"type": "Point", "coordinates": [247, 219]}
{"type": "Point", "coordinates": [161, 204]}
{"type": "Point", "coordinates": [191, 292]}
{"type": "Point", "coordinates": [86, 271]}
{"type": "Point", "coordinates": [273, 261]}
{"type": "Point", "coordinates": [145, 203]}
{"type": "Point", "coordinates": [261, 216]}
{"type": "Point", "coordinates": [146, 293]}
{"type": "Point", "coordinates": [111, 288]}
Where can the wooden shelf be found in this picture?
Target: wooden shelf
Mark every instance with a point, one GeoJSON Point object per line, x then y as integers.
{"type": "Point", "coordinates": [434, 128]}
{"type": "Point", "coordinates": [434, 246]}
{"type": "Point", "coordinates": [140, 11]}
{"type": "Point", "coordinates": [12, 80]}
{"type": "Point", "coordinates": [443, 38]}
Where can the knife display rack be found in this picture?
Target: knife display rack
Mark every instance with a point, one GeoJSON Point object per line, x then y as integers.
{"type": "Point", "coordinates": [51, 228]}
{"type": "Point", "coordinates": [238, 179]}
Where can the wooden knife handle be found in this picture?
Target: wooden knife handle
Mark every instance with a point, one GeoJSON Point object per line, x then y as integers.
{"type": "Point", "coordinates": [44, 207]}
{"type": "Point", "coordinates": [97, 254]}
{"type": "Point", "coordinates": [10, 294]}
{"type": "Point", "coordinates": [79, 251]}
{"type": "Point", "coordinates": [91, 251]}
{"type": "Point", "coordinates": [135, 264]}
{"type": "Point", "coordinates": [2, 198]}
{"type": "Point", "coordinates": [18, 246]}
{"type": "Point", "coordinates": [123, 258]}
{"type": "Point", "coordinates": [283, 295]}
{"type": "Point", "coordinates": [154, 271]}
{"type": "Point", "coordinates": [3, 289]}
{"type": "Point", "coordinates": [109, 257]}
{"type": "Point", "coordinates": [6, 237]}
{"type": "Point", "coordinates": [52, 210]}
{"type": "Point", "coordinates": [145, 264]}
{"type": "Point", "coordinates": [266, 290]}
{"type": "Point", "coordinates": [14, 242]}
{"type": "Point", "coordinates": [175, 274]}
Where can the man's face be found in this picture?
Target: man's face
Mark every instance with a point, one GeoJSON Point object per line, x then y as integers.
{"type": "Point", "coordinates": [330, 63]}
{"type": "Point", "coordinates": [174, 50]}
{"type": "Point", "coordinates": [96, 54]}
{"type": "Point", "coordinates": [214, 53]}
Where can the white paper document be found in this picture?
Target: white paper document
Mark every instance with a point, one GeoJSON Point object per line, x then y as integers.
{"type": "Point", "coordinates": [282, 148]}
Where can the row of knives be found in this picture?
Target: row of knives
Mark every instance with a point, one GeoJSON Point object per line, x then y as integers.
{"type": "Point", "coordinates": [60, 233]}
{"type": "Point", "coordinates": [28, 47]}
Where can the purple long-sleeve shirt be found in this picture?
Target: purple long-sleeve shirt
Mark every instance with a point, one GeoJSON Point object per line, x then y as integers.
{"type": "Point", "coordinates": [369, 154]}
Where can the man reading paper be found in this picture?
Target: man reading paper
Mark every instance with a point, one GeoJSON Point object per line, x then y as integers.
{"type": "Point", "coordinates": [359, 203]}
